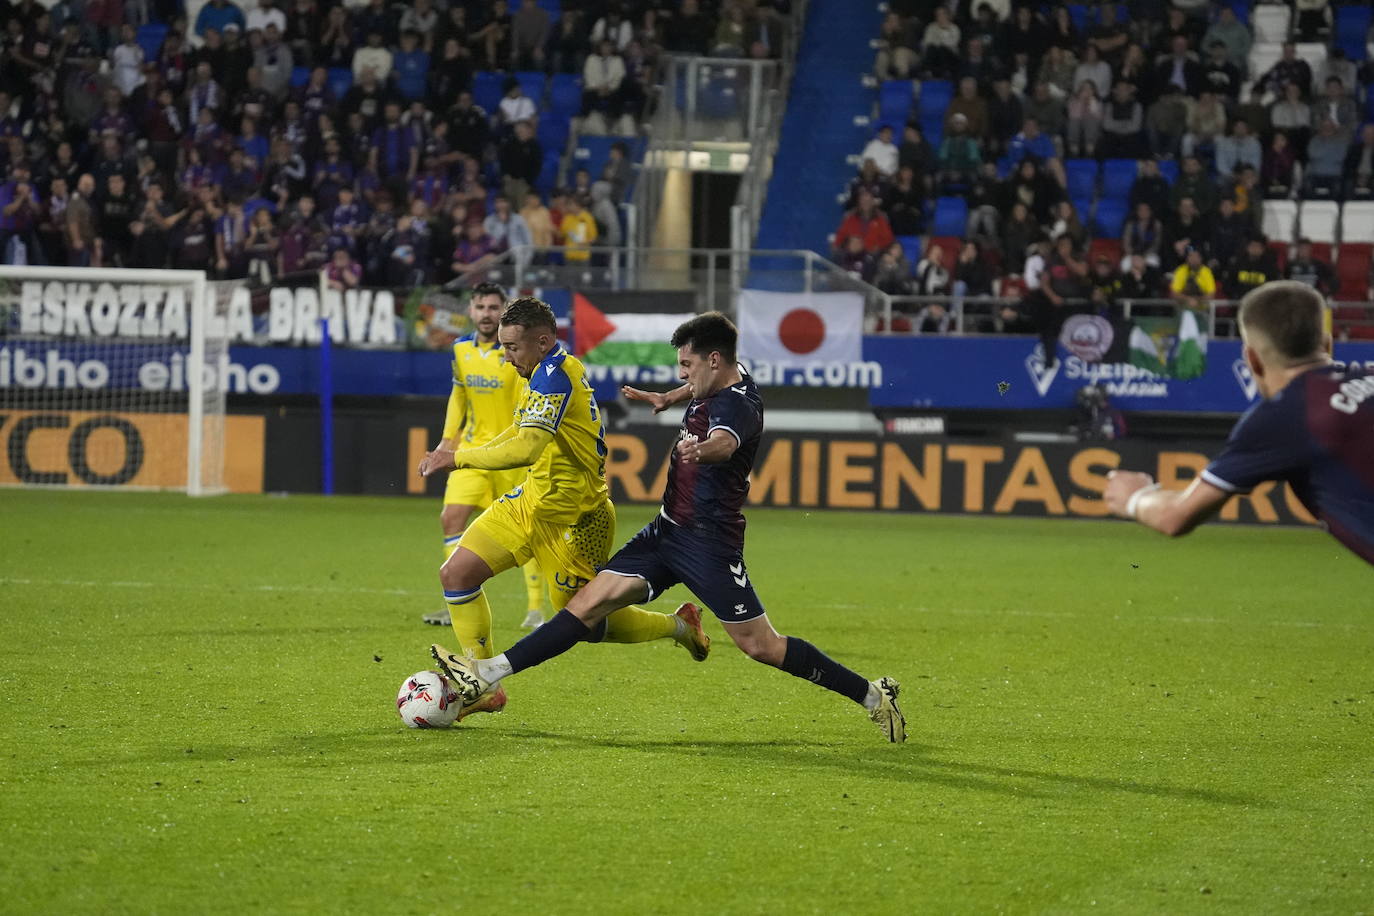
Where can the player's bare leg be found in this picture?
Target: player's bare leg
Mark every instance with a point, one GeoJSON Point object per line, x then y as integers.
{"type": "Point", "coordinates": [757, 639]}
{"type": "Point", "coordinates": [454, 521]}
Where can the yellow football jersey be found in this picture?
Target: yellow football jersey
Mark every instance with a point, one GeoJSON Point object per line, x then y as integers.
{"type": "Point", "coordinates": [569, 479]}
{"type": "Point", "coordinates": [485, 391]}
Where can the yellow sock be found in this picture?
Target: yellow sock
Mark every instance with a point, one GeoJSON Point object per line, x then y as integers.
{"type": "Point", "coordinates": [471, 617]}
{"type": "Point", "coordinates": [635, 624]}
{"type": "Point", "coordinates": [451, 544]}
{"type": "Point", "coordinates": [534, 586]}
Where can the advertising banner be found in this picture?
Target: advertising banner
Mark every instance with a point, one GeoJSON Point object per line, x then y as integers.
{"type": "Point", "coordinates": [913, 475]}
{"type": "Point", "coordinates": [111, 449]}
{"type": "Point", "coordinates": [1012, 372]}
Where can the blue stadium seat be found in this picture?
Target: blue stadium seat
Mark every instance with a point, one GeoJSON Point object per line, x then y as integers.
{"type": "Point", "coordinates": [911, 247]}
{"type": "Point", "coordinates": [299, 77]}
{"type": "Point", "coordinates": [150, 38]}
{"type": "Point", "coordinates": [254, 204]}
{"type": "Point", "coordinates": [894, 101]}
{"type": "Point", "coordinates": [951, 217]}
{"type": "Point", "coordinates": [548, 172]}
{"type": "Point", "coordinates": [340, 81]}
{"type": "Point", "coordinates": [1084, 208]}
{"type": "Point", "coordinates": [1078, 15]}
{"type": "Point", "coordinates": [1109, 218]}
{"type": "Point", "coordinates": [1351, 26]}
{"type": "Point", "coordinates": [933, 130]}
{"type": "Point", "coordinates": [1118, 175]}
{"type": "Point", "coordinates": [553, 7]}
{"type": "Point", "coordinates": [1169, 169]}
{"type": "Point", "coordinates": [565, 94]}
{"type": "Point", "coordinates": [532, 84]}
{"type": "Point", "coordinates": [553, 133]}
{"type": "Point", "coordinates": [718, 98]}
{"type": "Point", "coordinates": [486, 89]}
{"type": "Point", "coordinates": [1004, 165]}
{"type": "Point", "coordinates": [591, 153]}
{"type": "Point", "coordinates": [934, 98]}
{"type": "Point", "coordinates": [1082, 177]}
{"type": "Point", "coordinates": [1242, 10]}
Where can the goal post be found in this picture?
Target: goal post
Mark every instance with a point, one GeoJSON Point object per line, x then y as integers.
{"type": "Point", "coordinates": [113, 378]}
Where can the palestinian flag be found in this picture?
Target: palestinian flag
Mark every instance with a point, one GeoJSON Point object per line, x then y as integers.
{"type": "Point", "coordinates": [632, 336]}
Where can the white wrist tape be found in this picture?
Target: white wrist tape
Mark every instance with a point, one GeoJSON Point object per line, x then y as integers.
{"type": "Point", "coordinates": [1133, 503]}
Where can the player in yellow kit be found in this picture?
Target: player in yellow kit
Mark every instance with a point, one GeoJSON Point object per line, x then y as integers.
{"type": "Point", "coordinates": [561, 517]}
{"type": "Point", "coordinates": [485, 389]}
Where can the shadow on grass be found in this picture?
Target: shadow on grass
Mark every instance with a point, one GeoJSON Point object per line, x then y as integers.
{"type": "Point", "coordinates": [909, 763]}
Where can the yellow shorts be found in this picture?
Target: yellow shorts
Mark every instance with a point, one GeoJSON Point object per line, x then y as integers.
{"type": "Point", "coordinates": [474, 487]}
{"type": "Point", "coordinates": [509, 534]}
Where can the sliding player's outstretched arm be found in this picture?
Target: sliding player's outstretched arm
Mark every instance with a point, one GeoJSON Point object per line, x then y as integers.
{"type": "Point", "coordinates": [659, 400]}
{"type": "Point", "coordinates": [1133, 495]}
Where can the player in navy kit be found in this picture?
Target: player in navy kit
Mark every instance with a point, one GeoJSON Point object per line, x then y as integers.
{"type": "Point", "coordinates": [697, 539]}
{"type": "Point", "coordinates": [1314, 429]}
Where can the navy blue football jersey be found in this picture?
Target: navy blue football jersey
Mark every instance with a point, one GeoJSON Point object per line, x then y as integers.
{"type": "Point", "coordinates": [1318, 436]}
{"type": "Point", "coordinates": [709, 498]}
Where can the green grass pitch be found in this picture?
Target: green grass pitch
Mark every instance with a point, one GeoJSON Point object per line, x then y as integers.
{"type": "Point", "coordinates": [199, 718]}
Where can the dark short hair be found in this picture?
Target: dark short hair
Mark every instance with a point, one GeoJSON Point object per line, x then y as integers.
{"type": "Point", "coordinates": [1288, 314]}
{"type": "Point", "coordinates": [488, 289]}
{"type": "Point", "coordinates": [708, 333]}
{"type": "Point", "coordinates": [529, 312]}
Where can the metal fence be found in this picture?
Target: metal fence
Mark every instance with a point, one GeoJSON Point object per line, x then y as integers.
{"type": "Point", "coordinates": [984, 314]}
{"type": "Point", "coordinates": [717, 275]}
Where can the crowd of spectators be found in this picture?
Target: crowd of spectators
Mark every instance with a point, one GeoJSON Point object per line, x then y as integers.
{"type": "Point", "coordinates": [233, 144]}
{"type": "Point", "coordinates": [1034, 96]}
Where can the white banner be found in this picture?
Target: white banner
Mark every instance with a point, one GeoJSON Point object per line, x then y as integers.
{"type": "Point", "coordinates": [798, 329]}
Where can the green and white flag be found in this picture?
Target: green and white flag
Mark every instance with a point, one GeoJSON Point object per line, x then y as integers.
{"type": "Point", "coordinates": [1171, 347]}
{"type": "Point", "coordinates": [1189, 359]}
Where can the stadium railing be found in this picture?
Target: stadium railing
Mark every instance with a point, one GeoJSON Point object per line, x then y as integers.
{"type": "Point", "coordinates": [973, 315]}
{"type": "Point", "coordinates": [713, 115]}
{"type": "Point", "coordinates": [717, 275]}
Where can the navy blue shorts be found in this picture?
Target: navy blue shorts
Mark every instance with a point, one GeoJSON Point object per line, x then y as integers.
{"type": "Point", "coordinates": [664, 555]}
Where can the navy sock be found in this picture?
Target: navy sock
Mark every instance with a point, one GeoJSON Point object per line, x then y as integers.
{"type": "Point", "coordinates": [548, 641]}
{"type": "Point", "coordinates": [805, 661]}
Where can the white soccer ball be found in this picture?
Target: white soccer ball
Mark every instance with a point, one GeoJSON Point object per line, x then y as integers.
{"type": "Point", "coordinates": [427, 700]}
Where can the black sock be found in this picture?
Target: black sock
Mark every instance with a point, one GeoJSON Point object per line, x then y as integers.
{"type": "Point", "coordinates": [547, 641]}
{"type": "Point", "coordinates": [805, 661]}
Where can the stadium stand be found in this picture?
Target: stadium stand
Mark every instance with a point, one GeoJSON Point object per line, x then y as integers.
{"type": "Point", "coordinates": [254, 134]}
{"type": "Point", "coordinates": [1289, 178]}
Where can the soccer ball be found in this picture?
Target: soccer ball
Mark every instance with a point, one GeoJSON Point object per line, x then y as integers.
{"type": "Point", "coordinates": [427, 700]}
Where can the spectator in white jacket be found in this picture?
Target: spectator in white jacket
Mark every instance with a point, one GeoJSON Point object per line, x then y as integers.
{"type": "Point", "coordinates": [602, 76]}
{"type": "Point", "coordinates": [1095, 70]}
{"type": "Point", "coordinates": [374, 56]}
{"type": "Point", "coordinates": [126, 60]}
{"type": "Point", "coordinates": [882, 151]}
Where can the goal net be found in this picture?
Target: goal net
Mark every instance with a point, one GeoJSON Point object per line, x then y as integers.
{"type": "Point", "coordinates": [112, 378]}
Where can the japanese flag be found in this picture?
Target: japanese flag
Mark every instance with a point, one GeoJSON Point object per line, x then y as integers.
{"type": "Point", "coordinates": [796, 329]}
